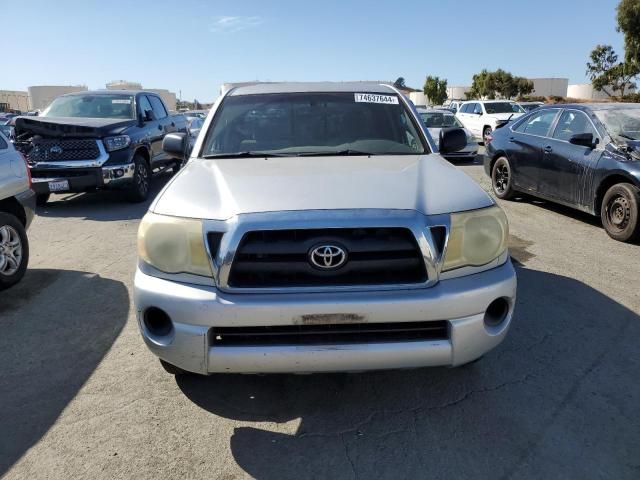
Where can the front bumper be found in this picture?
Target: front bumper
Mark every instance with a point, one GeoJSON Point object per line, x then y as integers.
{"type": "Point", "coordinates": [195, 309]}
{"type": "Point", "coordinates": [469, 151]}
{"type": "Point", "coordinates": [83, 179]}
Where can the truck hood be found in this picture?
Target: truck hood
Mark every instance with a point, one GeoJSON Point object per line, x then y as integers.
{"type": "Point", "coordinates": [222, 188]}
{"type": "Point", "coordinates": [72, 126]}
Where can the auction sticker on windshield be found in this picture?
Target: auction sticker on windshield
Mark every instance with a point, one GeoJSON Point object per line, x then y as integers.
{"type": "Point", "coordinates": [374, 98]}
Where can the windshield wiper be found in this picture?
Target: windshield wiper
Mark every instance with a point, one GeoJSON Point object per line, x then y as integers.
{"type": "Point", "coordinates": [245, 155]}
{"type": "Point", "coordinates": [622, 135]}
{"type": "Point", "coordinates": [336, 153]}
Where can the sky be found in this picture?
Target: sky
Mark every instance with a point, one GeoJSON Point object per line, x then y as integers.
{"type": "Point", "coordinates": [193, 46]}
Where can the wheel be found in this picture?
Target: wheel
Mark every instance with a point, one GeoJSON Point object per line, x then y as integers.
{"type": "Point", "coordinates": [619, 212]}
{"type": "Point", "coordinates": [139, 189]}
{"type": "Point", "coordinates": [172, 369]}
{"type": "Point", "coordinates": [501, 179]}
{"type": "Point", "coordinates": [14, 250]}
{"type": "Point", "coordinates": [42, 199]}
{"type": "Point", "coordinates": [486, 133]}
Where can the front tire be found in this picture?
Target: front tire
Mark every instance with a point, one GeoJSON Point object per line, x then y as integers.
{"type": "Point", "coordinates": [502, 179]}
{"type": "Point", "coordinates": [486, 135]}
{"type": "Point", "coordinates": [14, 251]}
{"type": "Point", "coordinates": [139, 189]}
{"type": "Point", "coordinates": [619, 212]}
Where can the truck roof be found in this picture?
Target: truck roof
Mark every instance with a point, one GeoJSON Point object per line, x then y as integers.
{"type": "Point", "coordinates": [109, 92]}
{"type": "Point", "coordinates": [307, 87]}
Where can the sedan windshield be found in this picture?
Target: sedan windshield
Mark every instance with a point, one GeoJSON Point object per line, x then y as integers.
{"type": "Point", "coordinates": [440, 120]}
{"type": "Point", "coordinates": [92, 106]}
{"type": "Point", "coordinates": [312, 123]}
{"type": "Point", "coordinates": [503, 107]}
{"type": "Point", "coordinates": [621, 122]}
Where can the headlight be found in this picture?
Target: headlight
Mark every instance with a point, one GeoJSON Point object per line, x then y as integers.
{"type": "Point", "coordinates": [476, 238]}
{"type": "Point", "coordinates": [173, 244]}
{"type": "Point", "coordinates": [116, 143]}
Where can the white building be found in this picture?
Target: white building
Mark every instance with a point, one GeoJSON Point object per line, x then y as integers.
{"type": "Point", "coordinates": [585, 91]}
{"type": "Point", "coordinates": [549, 87]}
{"type": "Point", "coordinates": [40, 96]}
{"type": "Point", "coordinates": [419, 99]}
{"type": "Point", "coordinates": [14, 100]}
{"type": "Point", "coordinates": [457, 93]}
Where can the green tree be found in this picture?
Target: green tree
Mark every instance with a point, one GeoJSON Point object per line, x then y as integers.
{"type": "Point", "coordinates": [607, 74]}
{"type": "Point", "coordinates": [524, 86]}
{"type": "Point", "coordinates": [435, 89]}
{"type": "Point", "coordinates": [399, 83]}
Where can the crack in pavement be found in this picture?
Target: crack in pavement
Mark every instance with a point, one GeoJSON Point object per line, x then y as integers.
{"type": "Point", "coordinates": [346, 454]}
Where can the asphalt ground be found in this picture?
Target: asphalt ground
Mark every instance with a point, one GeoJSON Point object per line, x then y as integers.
{"type": "Point", "coordinates": [81, 397]}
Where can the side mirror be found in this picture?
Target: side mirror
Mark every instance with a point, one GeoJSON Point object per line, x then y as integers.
{"type": "Point", "coordinates": [175, 145]}
{"type": "Point", "coordinates": [583, 139]}
{"type": "Point", "coordinates": [452, 140]}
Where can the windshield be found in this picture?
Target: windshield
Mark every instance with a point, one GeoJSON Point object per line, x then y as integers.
{"type": "Point", "coordinates": [440, 120]}
{"type": "Point", "coordinates": [503, 107]}
{"type": "Point", "coordinates": [92, 106]}
{"type": "Point", "coordinates": [308, 123]}
{"type": "Point", "coordinates": [621, 122]}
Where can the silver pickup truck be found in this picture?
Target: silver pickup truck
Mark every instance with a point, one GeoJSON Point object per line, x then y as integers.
{"type": "Point", "coordinates": [17, 205]}
{"type": "Point", "coordinates": [316, 228]}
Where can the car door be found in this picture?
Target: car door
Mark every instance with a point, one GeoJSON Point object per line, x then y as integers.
{"type": "Point", "coordinates": [566, 168]}
{"type": "Point", "coordinates": [153, 128]}
{"type": "Point", "coordinates": [525, 148]}
{"type": "Point", "coordinates": [466, 116]}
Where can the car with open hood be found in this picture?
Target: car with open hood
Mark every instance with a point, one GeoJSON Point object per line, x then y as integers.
{"type": "Point", "coordinates": [586, 156]}
{"type": "Point", "coordinates": [105, 139]}
{"type": "Point", "coordinates": [313, 228]}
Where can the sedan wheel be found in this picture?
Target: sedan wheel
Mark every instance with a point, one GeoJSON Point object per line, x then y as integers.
{"type": "Point", "coordinates": [501, 179]}
{"type": "Point", "coordinates": [619, 212]}
{"type": "Point", "coordinates": [14, 250]}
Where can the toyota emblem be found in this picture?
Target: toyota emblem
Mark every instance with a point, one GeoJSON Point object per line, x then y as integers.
{"type": "Point", "coordinates": [327, 257]}
{"type": "Point", "coordinates": [56, 150]}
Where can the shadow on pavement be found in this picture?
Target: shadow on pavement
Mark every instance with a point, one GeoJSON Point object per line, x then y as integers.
{"type": "Point", "coordinates": [558, 399]}
{"type": "Point", "coordinates": [49, 348]}
{"type": "Point", "coordinates": [104, 205]}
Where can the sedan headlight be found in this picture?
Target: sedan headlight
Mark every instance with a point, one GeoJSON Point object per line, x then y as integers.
{"type": "Point", "coordinates": [116, 143]}
{"type": "Point", "coordinates": [476, 238]}
{"type": "Point", "coordinates": [173, 245]}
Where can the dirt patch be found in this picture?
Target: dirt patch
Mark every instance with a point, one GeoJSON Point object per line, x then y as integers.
{"type": "Point", "coordinates": [518, 249]}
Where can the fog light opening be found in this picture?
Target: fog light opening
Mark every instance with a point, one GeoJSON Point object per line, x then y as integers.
{"type": "Point", "coordinates": [496, 313]}
{"type": "Point", "coordinates": [157, 322]}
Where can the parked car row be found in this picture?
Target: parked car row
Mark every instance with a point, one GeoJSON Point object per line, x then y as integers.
{"type": "Point", "coordinates": [586, 156]}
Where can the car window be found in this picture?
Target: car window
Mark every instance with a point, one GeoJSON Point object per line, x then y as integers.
{"type": "Point", "coordinates": [3, 144]}
{"type": "Point", "coordinates": [573, 122]}
{"type": "Point", "coordinates": [440, 120]}
{"type": "Point", "coordinates": [91, 106]}
{"type": "Point", "coordinates": [307, 123]}
{"type": "Point", "coordinates": [538, 124]}
{"type": "Point", "coordinates": [158, 107]}
{"type": "Point", "coordinates": [144, 104]}
{"type": "Point", "coordinates": [477, 108]}
{"type": "Point", "coordinates": [463, 108]}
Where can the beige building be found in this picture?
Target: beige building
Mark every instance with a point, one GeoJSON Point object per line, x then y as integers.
{"type": "Point", "coordinates": [40, 96]}
{"type": "Point", "coordinates": [123, 85]}
{"type": "Point", "coordinates": [14, 100]}
{"type": "Point", "coordinates": [550, 87]}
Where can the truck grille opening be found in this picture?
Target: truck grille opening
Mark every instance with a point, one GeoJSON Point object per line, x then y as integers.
{"type": "Point", "coordinates": [61, 149]}
{"type": "Point", "coordinates": [346, 334]}
{"type": "Point", "coordinates": [280, 258]}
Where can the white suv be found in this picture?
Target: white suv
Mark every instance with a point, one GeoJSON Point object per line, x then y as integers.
{"type": "Point", "coordinates": [481, 117]}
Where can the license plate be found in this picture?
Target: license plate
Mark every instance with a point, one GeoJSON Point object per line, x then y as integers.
{"type": "Point", "coordinates": [59, 186]}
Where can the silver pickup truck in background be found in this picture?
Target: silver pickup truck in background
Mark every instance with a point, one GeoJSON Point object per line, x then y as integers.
{"type": "Point", "coordinates": [314, 228]}
{"type": "Point", "coordinates": [17, 206]}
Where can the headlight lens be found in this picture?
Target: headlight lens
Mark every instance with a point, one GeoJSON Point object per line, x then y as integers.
{"type": "Point", "coordinates": [173, 244]}
{"type": "Point", "coordinates": [116, 143]}
{"type": "Point", "coordinates": [476, 238]}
